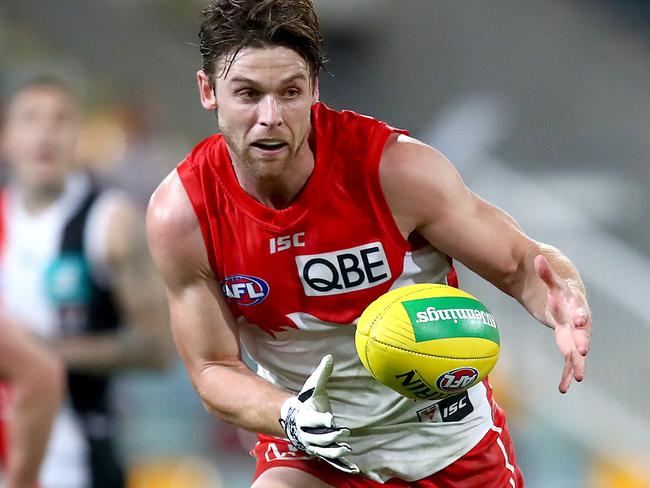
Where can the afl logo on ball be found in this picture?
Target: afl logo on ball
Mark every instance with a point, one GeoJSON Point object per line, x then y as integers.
{"type": "Point", "coordinates": [245, 290]}
{"type": "Point", "coordinates": [456, 380]}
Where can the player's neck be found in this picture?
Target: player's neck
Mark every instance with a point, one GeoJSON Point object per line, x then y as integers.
{"type": "Point", "coordinates": [38, 198]}
{"type": "Point", "coordinates": [277, 190]}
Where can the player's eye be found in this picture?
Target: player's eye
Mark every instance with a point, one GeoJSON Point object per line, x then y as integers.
{"type": "Point", "coordinates": [247, 94]}
{"type": "Point", "coordinates": [291, 92]}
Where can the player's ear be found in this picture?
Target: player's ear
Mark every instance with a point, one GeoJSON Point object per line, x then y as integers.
{"type": "Point", "coordinates": [315, 92]}
{"type": "Point", "coordinates": [206, 91]}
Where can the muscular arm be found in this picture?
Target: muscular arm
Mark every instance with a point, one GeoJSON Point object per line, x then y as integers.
{"type": "Point", "coordinates": [205, 332]}
{"type": "Point", "coordinates": [143, 339]}
{"type": "Point", "coordinates": [36, 379]}
{"type": "Point", "coordinates": [427, 195]}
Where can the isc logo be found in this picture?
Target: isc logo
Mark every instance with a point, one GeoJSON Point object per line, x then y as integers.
{"type": "Point", "coordinates": [454, 407]}
{"type": "Point", "coordinates": [245, 290]}
{"type": "Point", "coordinates": [456, 379]}
{"type": "Point", "coordinates": [282, 243]}
{"type": "Point", "coordinates": [333, 273]}
{"type": "Point", "coordinates": [450, 409]}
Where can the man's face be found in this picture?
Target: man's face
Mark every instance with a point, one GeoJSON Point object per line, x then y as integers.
{"type": "Point", "coordinates": [39, 135]}
{"type": "Point", "coordinates": [264, 105]}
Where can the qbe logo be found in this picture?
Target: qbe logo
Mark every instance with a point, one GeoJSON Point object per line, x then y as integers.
{"type": "Point", "coordinates": [333, 273]}
{"type": "Point", "coordinates": [245, 290]}
{"type": "Point", "coordinates": [457, 379]}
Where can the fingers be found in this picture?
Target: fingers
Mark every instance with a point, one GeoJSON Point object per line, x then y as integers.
{"type": "Point", "coordinates": [332, 451]}
{"type": "Point", "coordinates": [578, 361]}
{"type": "Point", "coordinates": [574, 368]}
{"type": "Point", "coordinates": [582, 326]}
{"type": "Point", "coordinates": [315, 384]}
{"type": "Point", "coordinates": [320, 429]}
{"type": "Point", "coordinates": [314, 419]}
{"type": "Point", "coordinates": [572, 343]}
{"type": "Point", "coordinates": [325, 437]}
{"type": "Point", "coordinates": [345, 432]}
{"type": "Point", "coordinates": [566, 377]}
{"type": "Point", "coordinates": [343, 464]}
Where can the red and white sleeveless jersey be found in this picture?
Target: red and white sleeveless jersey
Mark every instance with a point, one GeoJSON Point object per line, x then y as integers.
{"type": "Point", "coordinates": [297, 280]}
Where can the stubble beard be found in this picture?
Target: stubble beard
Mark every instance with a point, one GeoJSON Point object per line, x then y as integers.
{"type": "Point", "coordinates": [264, 167]}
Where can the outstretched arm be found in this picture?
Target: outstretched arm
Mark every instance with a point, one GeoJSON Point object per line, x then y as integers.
{"type": "Point", "coordinates": [427, 195]}
{"type": "Point", "coordinates": [36, 378]}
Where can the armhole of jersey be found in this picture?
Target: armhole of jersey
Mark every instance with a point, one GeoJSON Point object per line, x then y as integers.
{"type": "Point", "coordinates": [376, 192]}
{"type": "Point", "coordinates": [95, 238]}
{"type": "Point", "coordinates": [192, 184]}
{"type": "Point", "coordinates": [382, 206]}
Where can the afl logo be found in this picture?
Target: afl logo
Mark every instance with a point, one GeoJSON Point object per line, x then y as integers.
{"type": "Point", "coordinates": [245, 290]}
{"type": "Point", "coordinates": [456, 380]}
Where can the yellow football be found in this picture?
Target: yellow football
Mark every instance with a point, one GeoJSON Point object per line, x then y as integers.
{"type": "Point", "coordinates": [427, 341]}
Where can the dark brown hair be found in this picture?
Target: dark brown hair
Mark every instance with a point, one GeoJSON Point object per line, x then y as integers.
{"type": "Point", "coordinates": [231, 25]}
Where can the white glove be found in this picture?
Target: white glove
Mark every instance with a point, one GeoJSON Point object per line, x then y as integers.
{"type": "Point", "coordinates": [309, 424]}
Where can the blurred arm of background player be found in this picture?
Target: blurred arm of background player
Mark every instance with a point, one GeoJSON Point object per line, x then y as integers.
{"type": "Point", "coordinates": [36, 379]}
{"type": "Point", "coordinates": [426, 194]}
{"type": "Point", "coordinates": [203, 328]}
{"type": "Point", "coordinates": [143, 340]}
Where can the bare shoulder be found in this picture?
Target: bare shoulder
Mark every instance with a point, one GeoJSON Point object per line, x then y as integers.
{"type": "Point", "coordinates": [170, 212]}
{"type": "Point", "coordinates": [408, 161]}
{"type": "Point", "coordinates": [417, 178]}
{"type": "Point", "coordinates": [174, 233]}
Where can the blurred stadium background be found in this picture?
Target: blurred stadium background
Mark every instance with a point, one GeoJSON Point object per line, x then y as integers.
{"type": "Point", "coordinates": [544, 107]}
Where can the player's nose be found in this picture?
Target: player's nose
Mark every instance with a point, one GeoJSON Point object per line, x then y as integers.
{"type": "Point", "coordinates": [270, 114]}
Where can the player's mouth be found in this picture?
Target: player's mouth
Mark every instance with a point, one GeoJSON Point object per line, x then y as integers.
{"type": "Point", "coordinates": [270, 146]}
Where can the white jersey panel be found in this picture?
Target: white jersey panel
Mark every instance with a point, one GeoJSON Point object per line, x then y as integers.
{"type": "Point", "coordinates": [31, 243]}
{"type": "Point", "coordinates": [391, 436]}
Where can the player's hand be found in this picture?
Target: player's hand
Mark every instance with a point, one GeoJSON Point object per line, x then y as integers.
{"type": "Point", "coordinates": [568, 313]}
{"type": "Point", "coordinates": [309, 424]}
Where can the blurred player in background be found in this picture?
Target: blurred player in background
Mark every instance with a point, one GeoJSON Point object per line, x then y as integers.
{"type": "Point", "coordinates": [279, 231]}
{"type": "Point", "coordinates": [30, 408]}
{"type": "Point", "coordinates": [74, 271]}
